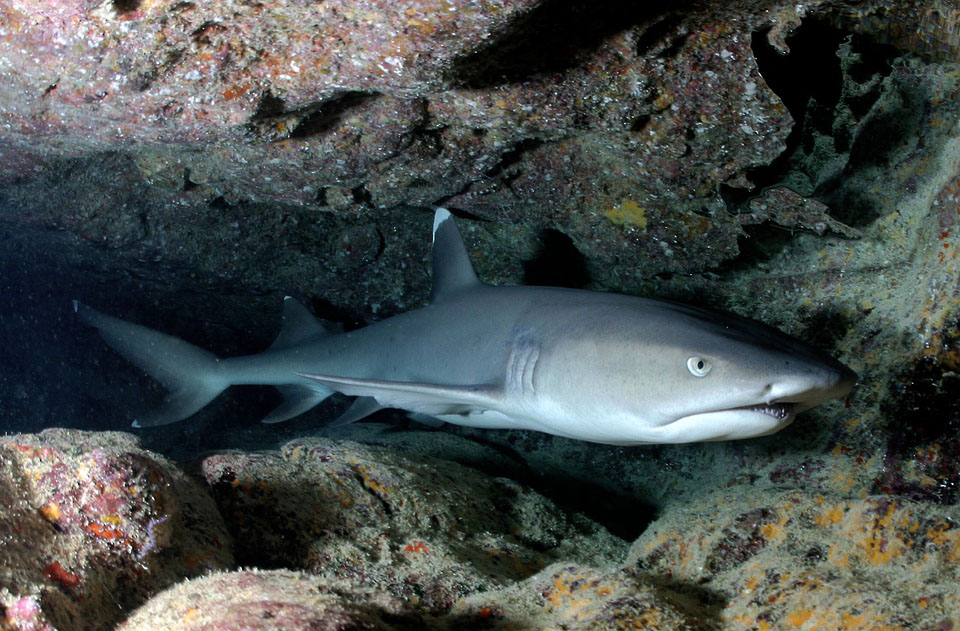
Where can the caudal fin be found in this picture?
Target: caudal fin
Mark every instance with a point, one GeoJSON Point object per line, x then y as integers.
{"type": "Point", "coordinates": [191, 374]}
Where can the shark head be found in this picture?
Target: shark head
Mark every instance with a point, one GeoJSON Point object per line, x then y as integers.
{"type": "Point", "coordinates": [742, 378]}
{"type": "Point", "coordinates": [669, 373]}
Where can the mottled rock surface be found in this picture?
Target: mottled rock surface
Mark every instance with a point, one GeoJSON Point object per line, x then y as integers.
{"type": "Point", "coordinates": [797, 560]}
{"type": "Point", "coordinates": [91, 525]}
{"type": "Point", "coordinates": [424, 530]}
{"type": "Point", "coordinates": [581, 598]}
{"type": "Point", "coordinates": [278, 600]}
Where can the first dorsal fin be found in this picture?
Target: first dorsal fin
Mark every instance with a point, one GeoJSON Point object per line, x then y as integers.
{"type": "Point", "coordinates": [297, 326]}
{"type": "Point", "coordinates": [452, 269]}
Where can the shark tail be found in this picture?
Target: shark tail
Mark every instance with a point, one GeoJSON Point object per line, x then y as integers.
{"type": "Point", "coordinates": [193, 376]}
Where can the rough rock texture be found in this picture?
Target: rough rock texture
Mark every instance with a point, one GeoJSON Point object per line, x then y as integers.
{"type": "Point", "coordinates": [797, 560]}
{"type": "Point", "coordinates": [424, 530]}
{"type": "Point", "coordinates": [278, 600]}
{"type": "Point", "coordinates": [580, 598]}
{"type": "Point", "coordinates": [91, 525]}
{"type": "Point", "coordinates": [614, 124]}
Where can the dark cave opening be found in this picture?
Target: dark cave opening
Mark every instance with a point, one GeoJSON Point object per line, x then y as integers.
{"type": "Point", "coordinates": [558, 263]}
{"type": "Point", "coordinates": [829, 82]}
{"type": "Point", "coordinates": [555, 36]}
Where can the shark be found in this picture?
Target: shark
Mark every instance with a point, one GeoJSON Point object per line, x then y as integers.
{"type": "Point", "coordinates": [587, 365]}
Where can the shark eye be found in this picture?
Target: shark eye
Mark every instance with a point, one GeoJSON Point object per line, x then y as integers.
{"type": "Point", "coordinates": [698, 366]}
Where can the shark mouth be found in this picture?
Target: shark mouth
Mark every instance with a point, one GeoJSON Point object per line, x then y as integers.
{"type": "Point", "coordinates": [779, 411]}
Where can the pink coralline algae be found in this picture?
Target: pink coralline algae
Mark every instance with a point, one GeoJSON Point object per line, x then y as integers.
{"type": "Point", "coordinates": [82, 514]}
{"type": "Point", "coordinates": [24, 615]}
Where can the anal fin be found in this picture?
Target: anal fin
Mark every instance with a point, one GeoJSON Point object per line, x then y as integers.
{"type": "Point", "coordinates": [296, 401]}
{"type": "Point", "coordinates": [361, 408]}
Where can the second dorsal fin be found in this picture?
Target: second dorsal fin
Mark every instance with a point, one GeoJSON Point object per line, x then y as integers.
{"type": "Point", "coordinates": [298, 325]}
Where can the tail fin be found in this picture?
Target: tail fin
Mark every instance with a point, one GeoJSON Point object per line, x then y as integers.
{"type": "Point", "coordinates": [191, 374]}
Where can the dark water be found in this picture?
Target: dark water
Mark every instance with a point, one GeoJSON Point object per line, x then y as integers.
{"type": "Point", "coordinates": [55, 372]}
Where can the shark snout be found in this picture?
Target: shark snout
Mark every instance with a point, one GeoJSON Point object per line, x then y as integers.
{"type": "Point", "coordinates": [813, 388]}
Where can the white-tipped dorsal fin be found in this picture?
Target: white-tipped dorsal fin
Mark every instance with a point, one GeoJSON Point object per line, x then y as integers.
{"type": "Point", "coordinates": [452, 269]}
{"type": "Point", "coordinates": [298, 325]}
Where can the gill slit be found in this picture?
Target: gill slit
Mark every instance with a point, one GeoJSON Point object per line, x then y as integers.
{"type": "Point", "coordinates": [522, 366]}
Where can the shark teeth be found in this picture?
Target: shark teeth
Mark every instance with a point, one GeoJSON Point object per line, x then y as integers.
{"type": "Point", "coordinates": [778, 411]}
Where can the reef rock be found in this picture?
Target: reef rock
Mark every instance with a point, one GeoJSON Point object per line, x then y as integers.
{"type": "Point", "coordinates": [278, 600]}
{"type": "Point", "coordinates": [91, 525]}
{"type": "Point", "coordinates": [581, 598]}
{"type": "Point", "coordinates": [421, 529]}
{"type": "Point", "coordinates": [809, 561]}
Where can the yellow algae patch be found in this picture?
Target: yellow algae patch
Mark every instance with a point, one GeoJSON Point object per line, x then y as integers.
{"type": "Point", "coordinates": [826, 619]}
{"type": "Point", "coordinates": [775, 532]}
{"type": "Point", "coordinates": [853, 423]}
{"type": "Point", "coordinates": [832, 515]}
{"type": "Point", "coordinates": [797, 618]}
{"type": "Point", "coordinates": [663, 101]}
{"type": "Point", "coordinates": [839, 559]}
{"type": "Point", "coordinates": [751, 583]}
{"type": "Point", "coordinates": [865, 622]}
{"type": "Point", "coordinates": [942, 534]}
{"type": "Point", "coordinates": [368, 480]}
{"type": "Point", "coordinates": [563, 594]}
{"type": "Point", "coordinates": [189, 614]}
{"type": "Point", "coordinates": [876, 539]}
{"type": "Point", "coordinates": [843, 482]}
{"type": "Point", "coordinates": [750, 622]}
{"type": "Point", "coordinates": [939, 533]}
{"type": "Point", "coordinates": [628, 213]}
{"type": "Point", "coordinates": [51, 511]}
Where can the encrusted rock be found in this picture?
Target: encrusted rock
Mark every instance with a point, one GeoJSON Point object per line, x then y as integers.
{"type": "Point", "coordinates": [278, 600]}
{"type": "Point", "coordinates": [580, 598]}
{"type": "Point", "coordinates": [91, 525]}
{"type": "Point", "coordinates": [797, 560]}
{"type": "Point", "coordinates": [422, 529]}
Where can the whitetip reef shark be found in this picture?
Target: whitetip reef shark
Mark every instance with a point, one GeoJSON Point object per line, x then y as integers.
{"type": "Point", "coordinates": [593, 366]}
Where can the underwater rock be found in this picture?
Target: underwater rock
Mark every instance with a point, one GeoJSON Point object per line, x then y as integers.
{"type": "Point", "coordinates": [580, 598]}
{"type": "Point", "coordinates": [424, 530]}
{"type": "Point", "coordinates": [806, 560]}
{"type": "Point", "coordinates": [925, 27]}
{"type": "Point", "coordinates": [617, 125]}
{"type": "Point", "coordinates": [277, 600]}
{"type": "Point", "coordinates": [91, 525]}
{"type": "Point", "coordinates": [787, 209]}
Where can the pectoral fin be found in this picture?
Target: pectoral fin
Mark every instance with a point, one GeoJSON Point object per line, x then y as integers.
{"type": "Point", "coordinates": [423, 398]}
